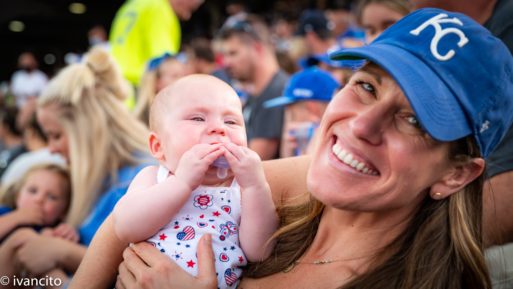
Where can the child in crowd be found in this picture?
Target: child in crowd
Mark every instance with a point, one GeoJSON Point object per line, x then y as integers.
{"type": "Point", "coordinates": [208, 182]}
{"type": "Point", "coordinates": [306, 96]}
{"type": "Point", "coordinates": [161, 72]}
{"type": "Point", "coordinates": [39, 199]}
{"type": "Point", "coordinates": [37, 203]}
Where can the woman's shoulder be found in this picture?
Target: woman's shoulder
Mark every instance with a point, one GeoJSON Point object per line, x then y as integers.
{"type": "Point", "coordinates": [287, 177]}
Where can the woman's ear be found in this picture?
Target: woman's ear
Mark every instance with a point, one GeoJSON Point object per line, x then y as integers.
{"type": "Point", "coordinates": [156, 149]}
{"type": "Point", "coordinates": [459, 176]}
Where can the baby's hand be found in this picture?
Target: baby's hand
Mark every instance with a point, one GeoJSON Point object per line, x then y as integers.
{"type": "Point", "coordinates": [66, 232]}
{"type": "Point", "coordinates": [194, 163]}
{"type": "Point", "coordinates": [246, 165]}
{"type": "Point", "coordinates": [29, 216]}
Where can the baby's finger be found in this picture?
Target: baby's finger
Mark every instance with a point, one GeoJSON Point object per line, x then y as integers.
{"type": "Point", "coordinates": [211, 157]}
{"type": "Point", "coordinates": [237, 151]}
{"type": "Point", "coordinates": [202, 150]}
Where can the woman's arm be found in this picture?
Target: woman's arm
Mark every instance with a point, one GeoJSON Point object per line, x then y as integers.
{"type": "Point", "coordinates": [98, 268]}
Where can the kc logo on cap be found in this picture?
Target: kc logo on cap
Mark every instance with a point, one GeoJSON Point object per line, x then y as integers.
{"type": "Point", "coordinates": [457, 77]}
{"type": "Point", "coordinates": [441, 32]}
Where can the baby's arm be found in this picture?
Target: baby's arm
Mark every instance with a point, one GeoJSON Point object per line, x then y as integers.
{"type": "Point", "coordinates": [18, 217]}
{"type": "Point", "coordinates": [148, 205]}
{"type": "Point", "coordinates": [258, 215]}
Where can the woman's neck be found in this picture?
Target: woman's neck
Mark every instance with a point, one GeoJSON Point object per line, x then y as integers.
{"type": "Point", "coordinates": [343, 235]}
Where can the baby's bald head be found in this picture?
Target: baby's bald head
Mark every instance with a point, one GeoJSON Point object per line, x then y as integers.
{"type": "Point", "coordinates": [189, 88]}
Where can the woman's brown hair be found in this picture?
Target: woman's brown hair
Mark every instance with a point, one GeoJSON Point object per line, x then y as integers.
{"type": "Point", "coordinates": [442, 247]}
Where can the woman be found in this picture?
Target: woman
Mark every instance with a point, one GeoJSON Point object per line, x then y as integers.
{"type": "Point", "coordinates": [395, 180]}
{"type": "Point", "coordinates": [377, 15]}
{"type": "Point", "coordinates": [84, 119]}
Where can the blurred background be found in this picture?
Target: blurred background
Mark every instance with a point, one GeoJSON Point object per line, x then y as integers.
{"type": "Point", "coordinates": [52, 29]}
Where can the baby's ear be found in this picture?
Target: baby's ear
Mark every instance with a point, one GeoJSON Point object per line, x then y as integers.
{"type": "Point", "coordinates": [457, 178]}
{"type": "Point", "coordinates": [156, 149]}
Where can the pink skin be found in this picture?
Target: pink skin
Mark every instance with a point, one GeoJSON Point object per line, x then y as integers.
{"type": "Point", "coordinates": [44, 190]}
{"type": "Point", "coordinates": [168, 72]}
{"type": "Point", "coordinates": [377, 17]}
{"type": "Point", "coordinates": [372, 119]}
{"type": "Point", "coordinates": [238, 58]}
{"type": "Point", "coordinates": [185, 8]}
{"type": "Point", "coordinates": [203, 123]}
{"type": "Point", "coordinates": [54, 131]}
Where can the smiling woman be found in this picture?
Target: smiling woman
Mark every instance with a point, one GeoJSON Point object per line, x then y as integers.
{"type": "Point", "coordinates": [395, 181]}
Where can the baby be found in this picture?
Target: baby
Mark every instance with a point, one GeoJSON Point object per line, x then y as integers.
{"type": "Point", "coordinates": [208, 182]}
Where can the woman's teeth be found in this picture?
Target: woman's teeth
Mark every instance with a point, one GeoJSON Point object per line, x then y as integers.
{"type": "Point", "coordinates": [348, 158]}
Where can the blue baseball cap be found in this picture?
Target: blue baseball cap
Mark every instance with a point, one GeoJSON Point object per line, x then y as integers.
{"type": "Point", "coordinates": [315, 59]}
{"type": "Point", "coordinates": [309, 84]}
{"type": "Point", "coordinates": [457, 77]}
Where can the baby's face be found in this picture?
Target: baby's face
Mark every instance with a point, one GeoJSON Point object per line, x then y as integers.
{"type": "Point", "coordinates": [201, 112]}
{"type": "Point", "coordinates": [44, 190]}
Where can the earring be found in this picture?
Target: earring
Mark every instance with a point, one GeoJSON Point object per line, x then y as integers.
{"type": "Point", "coordinates": [437, 196]}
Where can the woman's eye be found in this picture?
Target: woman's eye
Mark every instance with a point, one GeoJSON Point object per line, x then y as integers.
{"type": "Point", "coordinates": [368, 87]}
{"type": "Point", "coordinates": [413, 121]}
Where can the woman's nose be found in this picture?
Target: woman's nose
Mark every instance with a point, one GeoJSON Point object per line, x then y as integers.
{"type": "Point", "coordinates": [368, 125]}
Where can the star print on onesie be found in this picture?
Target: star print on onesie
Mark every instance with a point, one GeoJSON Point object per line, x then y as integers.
{"type": "Point", "coordinates": [209, 210]}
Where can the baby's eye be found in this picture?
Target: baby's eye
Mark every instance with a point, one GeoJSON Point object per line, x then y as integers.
{"type": "Point", "coordinates": [197, 118]}
{"type": "Point", "coordinates": [230, 122]}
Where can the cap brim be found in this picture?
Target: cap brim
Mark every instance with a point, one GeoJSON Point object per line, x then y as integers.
{"type": "Point", "coordinates": [278, 101]}
{"type": "Point", "coordinates": [438, 111]}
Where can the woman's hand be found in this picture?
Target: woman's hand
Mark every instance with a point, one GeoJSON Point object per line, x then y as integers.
{"type": "Point", "coordinates": [40, 254]}
{"type": "Point", "coordinates": [146, 268]}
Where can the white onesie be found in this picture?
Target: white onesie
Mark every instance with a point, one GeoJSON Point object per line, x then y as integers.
{"type": "Point", "coordinates": [212, 210]}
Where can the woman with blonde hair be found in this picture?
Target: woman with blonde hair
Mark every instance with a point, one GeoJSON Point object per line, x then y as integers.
{"type": "Point", "coordinates": [83, 116]}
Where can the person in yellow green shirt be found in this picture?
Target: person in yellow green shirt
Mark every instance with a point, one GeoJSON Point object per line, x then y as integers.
{"type": "Point", "coordinates": [144, 29]}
